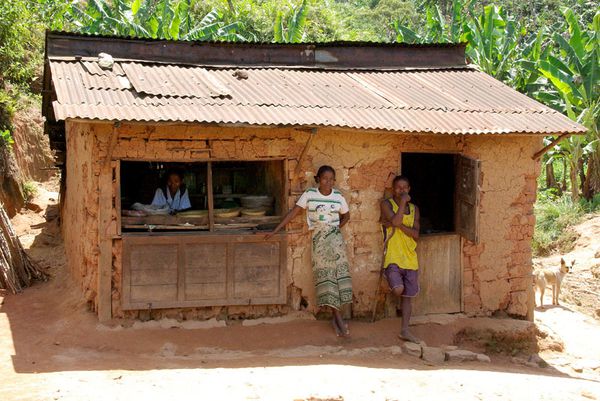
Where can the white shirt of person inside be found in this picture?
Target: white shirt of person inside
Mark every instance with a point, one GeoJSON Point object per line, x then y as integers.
{"type": "Point", "coordinates": [323, 209]}
{"type": "Point", "coordinates": [178, 202]}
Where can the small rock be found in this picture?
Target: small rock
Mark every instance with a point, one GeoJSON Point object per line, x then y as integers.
{"type": "Point", "coordinates": [483, 358]}
{"type": "Point", "coordinates": [433, 354]}
{"type": "Point", "coordinates": [33, 207]}
{"type": "Point", "coordinates": [597, 254]}
{"type": "Point", "coordinates": [412, 349]}
{"type": "Point", "coordinates": [449, 347]}
{"type": "Point", "coordinates": [460, 355]}
{"type": "Point", "coordinates": [535, 358]}
{"type": "Point", "coordinates": [531, 364]}
{"type": "Point", "coordinates": [396, 350]}
{"type": "Point", "coordinates": [577, 367]}
{"type": "Point", "coordinates": [589, 395]}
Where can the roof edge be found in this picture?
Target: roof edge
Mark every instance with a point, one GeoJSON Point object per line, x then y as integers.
{"type": "Point", "coordinates": [333, 55]}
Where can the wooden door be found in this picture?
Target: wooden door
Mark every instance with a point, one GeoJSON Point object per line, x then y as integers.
{"type": "Point", "coordinates": [439, 274]}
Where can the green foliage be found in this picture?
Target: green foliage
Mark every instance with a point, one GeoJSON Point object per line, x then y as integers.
{"type": "Point", "coordinates": [20, 40]}
{"type": "Point", "coordinates": [553, 218]}
{"type": "Point", "coordinates": [30, 190]}
{"type": "Point", "coordinates": [158, 19]}
{"type": "Point", "coordinates": [290, 28]}
{"type": "Point", "coordinates": [6, 139]}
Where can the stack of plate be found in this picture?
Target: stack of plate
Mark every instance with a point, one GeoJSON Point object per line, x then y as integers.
{"type": "Point", "coordinates": [254, 212]}
{"type": "Point", "coordinates": [257, 201]}
{"type": "Point", "coordinates": [227, 213]}
{"type": "Point", "coordinates": [193, 213]}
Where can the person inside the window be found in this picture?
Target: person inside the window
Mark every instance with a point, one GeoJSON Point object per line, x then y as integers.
{"type": "Point", "coordinates": [173, 194]}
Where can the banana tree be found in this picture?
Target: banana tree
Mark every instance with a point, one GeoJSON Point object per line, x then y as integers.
{"type": "Point", "coordinates": [574, 75]}
{"type": "Point", "coordinates": [157, 19]}
{"type": "Point", "coordinates": [292, 31]}
{"type": "Point", "coordinates": [493, 38]}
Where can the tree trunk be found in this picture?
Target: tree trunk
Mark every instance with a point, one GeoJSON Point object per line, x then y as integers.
{"type": "Point", "coordinates": [550, 177]}
{"type": "Point", "coordinates": [564, 175]}
{"type": "Point", "coordinates": [591, 186]}
{"type": "Point", "coordinates": [581, 168]}
{"type": "Point", "coordinates": [17, 269]}
{"type": "Point", "coordinates": [574, 186]}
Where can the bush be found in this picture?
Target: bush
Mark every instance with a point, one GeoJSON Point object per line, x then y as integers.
{"type": "Point", "coordinates": [30, 190]}
{"type": "Point", "coordinates": [554, 216]}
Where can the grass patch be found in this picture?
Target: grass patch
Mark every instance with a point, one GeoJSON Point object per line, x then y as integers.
{"type": "Point", "coordinates": [30, 190]}
{"type": "Point", "coordinates": [555, 216]}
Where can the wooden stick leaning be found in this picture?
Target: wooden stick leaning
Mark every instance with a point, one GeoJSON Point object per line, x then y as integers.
{"type": "Point", "coordinates": [381, 269]}
{"type": "Point", "coordinates": [17, 269]}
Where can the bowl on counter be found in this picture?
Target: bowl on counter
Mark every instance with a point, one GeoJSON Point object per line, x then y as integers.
{"type": "Point", "coordinates": [256, 201]}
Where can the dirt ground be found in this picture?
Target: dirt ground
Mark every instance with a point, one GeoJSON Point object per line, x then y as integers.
{"type": "Point", "coordinates": [53, 348]}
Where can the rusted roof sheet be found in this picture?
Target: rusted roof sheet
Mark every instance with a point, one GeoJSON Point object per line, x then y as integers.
{"type": "Point", "coordinates": [448, 101]}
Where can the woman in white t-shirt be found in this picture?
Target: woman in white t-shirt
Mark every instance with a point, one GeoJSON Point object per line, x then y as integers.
{"type": "Point", "coordinates": [327, 212]}
{"type": "Point", "coordinates": [173, 195]}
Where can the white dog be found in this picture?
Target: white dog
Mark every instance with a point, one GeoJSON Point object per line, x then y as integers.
{"type": "Point", "coordinates": [553, 277]}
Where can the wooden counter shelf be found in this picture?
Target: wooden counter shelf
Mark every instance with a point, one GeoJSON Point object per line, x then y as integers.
{"type": "Point", "coordinates": [189, 269]}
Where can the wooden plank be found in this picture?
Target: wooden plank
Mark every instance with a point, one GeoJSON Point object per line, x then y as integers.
{"type": "Point", "coordinates": [200, 256]}
{"type": "Point", "coordinates": [211, 202]}
{"type": "Point", "coordinates": [155, 257]}
{"type": "Point", "coordinates": [467, 195]}
{"type": "Point", "coordinates": [255, 274]}
{"type": "Point", "coordinates": [153, 293]}
{"type": "Point", "coordinates": [116, 167]}
{"type": "Point", "coordinates": [257, 254]}
{"type": "Point", "coordinates": [105, 242]}
{"type": "Point", "coordinates": [206, 275]}
{"type": "Point", "coordinates": [153, 277]}
{"type": "Point", "coordinates": [252, 290]}
{"type": "Point", "coordinates": [205, 291]}
{"type": "Point", "coordinates": [439, 275]}
{"type": "Point", "coordinates": [180, 278]}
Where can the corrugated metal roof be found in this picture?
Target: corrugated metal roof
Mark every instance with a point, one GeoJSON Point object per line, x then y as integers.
{"type": "Point", "coordinates": [450, 101]}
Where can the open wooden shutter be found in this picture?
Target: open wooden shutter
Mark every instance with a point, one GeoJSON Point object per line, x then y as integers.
{"type": "Point", "coordinates": [467, 198]}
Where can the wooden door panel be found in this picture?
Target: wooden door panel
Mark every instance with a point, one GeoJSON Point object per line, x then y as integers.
{"type": "Point", "coordinates": [439, 275]}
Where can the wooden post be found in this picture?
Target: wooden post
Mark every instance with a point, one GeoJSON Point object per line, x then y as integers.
{"type": "Point", "coordinates": [209, 193]}
{"type": "Point", "coordinates": [105, 234]}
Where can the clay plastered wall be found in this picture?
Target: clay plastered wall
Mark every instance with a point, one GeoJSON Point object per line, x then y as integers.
{"type": "Point", "coordinates": [497, 270]}
{"type": "Point", "coordinates": [494, 270]}
{"type": "Point", "coordinates": [80, 210]}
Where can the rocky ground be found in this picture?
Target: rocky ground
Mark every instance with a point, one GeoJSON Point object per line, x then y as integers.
{"type": "Point", "coordinates": [52, 347]}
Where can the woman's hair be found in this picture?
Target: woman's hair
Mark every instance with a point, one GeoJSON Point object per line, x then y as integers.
{"type": "Point", "coordinates": [400, 178]}
{"type": "Point", "coordinates": [322, 170]}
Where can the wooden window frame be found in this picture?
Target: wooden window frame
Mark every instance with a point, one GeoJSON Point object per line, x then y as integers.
{"type": "Point", "coordinates": [209, 187]}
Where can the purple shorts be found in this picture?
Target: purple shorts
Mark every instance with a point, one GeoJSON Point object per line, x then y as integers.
{"type": "Point", "coordinates": [398, 277]}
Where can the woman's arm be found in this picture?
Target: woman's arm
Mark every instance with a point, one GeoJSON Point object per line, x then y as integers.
{"type": "Point", "coordinates": [288, 217]}
{"type": "Point", "coordinates": [344, 218]}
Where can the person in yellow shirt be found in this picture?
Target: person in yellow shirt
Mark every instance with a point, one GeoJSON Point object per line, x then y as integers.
{"type": "Point", "coordinates": [400, 219]}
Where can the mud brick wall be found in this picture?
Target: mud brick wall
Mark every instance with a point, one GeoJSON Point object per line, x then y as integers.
{"type": "Point", "coordinates": [80, 210]}
{"type": "Point", "coordinates": [495, 271]}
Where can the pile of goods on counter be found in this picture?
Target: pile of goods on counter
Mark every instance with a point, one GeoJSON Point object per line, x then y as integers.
{"type": "Point", "coordinates": [253, 212]}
